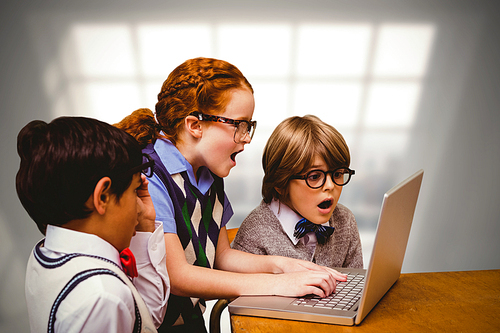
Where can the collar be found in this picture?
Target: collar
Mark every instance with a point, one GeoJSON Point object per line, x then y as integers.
{"type": "Point", "coordinates": [175, 163]}
{"type": "Point", "coordinates": [288, 218]}
{"type": "Point", "coordinates": [60, 241]}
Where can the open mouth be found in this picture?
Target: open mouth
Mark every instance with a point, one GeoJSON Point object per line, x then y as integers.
{"type": "Point", "coordinates": [326, 204]}
{"type": "Point", "coordinates": [233, 155]}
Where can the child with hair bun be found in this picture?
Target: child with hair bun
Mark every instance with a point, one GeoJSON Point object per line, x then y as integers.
{"type": "Point", "coordinates": [101, 265]}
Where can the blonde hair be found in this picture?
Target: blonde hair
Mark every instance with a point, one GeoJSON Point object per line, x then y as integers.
{"type": "Point", "coordinates": [200, 84]}
{"type": "Point", "coordinates": [292, 148]}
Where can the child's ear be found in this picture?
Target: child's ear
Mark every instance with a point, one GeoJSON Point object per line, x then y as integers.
{"type": "Point", "coordinates": [193, 126]}
{"type": "Point", "coordinates": [102, 195]}
{"type": "Point", "coordinates": [278, 190]}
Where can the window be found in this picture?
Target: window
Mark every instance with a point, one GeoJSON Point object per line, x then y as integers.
{"type": "Point", "coordinates": [364, 78]}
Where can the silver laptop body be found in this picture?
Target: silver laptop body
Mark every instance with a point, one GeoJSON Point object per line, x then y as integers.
{"type": "Point", "coordinates": [393, 230]}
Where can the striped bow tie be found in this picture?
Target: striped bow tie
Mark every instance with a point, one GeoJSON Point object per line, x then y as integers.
{"type": "Point", "coordinates": [304, 227]}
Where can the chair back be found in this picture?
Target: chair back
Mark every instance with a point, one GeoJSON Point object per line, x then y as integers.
{"type": "Point", "coordinates": [231, 233]}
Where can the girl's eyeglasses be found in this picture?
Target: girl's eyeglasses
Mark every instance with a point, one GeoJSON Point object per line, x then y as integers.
{"type": "Point", "coordinates": [242, 128]}
{"type": "Point", "coordinates": [317, 178]}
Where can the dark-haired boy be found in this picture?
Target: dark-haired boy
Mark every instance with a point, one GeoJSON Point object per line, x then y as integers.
{"type": "Point", "coordinates": [80, 181]}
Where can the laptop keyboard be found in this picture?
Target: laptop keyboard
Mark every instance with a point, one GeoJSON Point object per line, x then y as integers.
{"type": "Point", "coordinates": [345, 296]}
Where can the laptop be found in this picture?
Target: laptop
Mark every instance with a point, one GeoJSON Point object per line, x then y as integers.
{"type": "Point", "coordinates": [349, 305]}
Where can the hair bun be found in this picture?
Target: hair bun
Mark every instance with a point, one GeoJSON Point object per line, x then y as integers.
{"type": "Point", "coordinates": [30, 137]}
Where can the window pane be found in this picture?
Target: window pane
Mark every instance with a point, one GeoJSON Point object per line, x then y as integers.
{"type": "Point", "coordinates": [380, 151]}
{"type": "Point", "coordinates": [103, 50]}
{"type": "Point", "coordinates": [256, 49]}
{"type": "Point", "coordinates": [403, 50]}
{"type": "Point", "coordinates": [392, 104]}
{"type": "Point", "coordinates": [335, 103]}
{"type": "Point", "coordinates": [333, 49]}
{"type": "Point", "coordinates": [162, 47]}
{"type": "Point", "coordinates": [151, 90]}
{"type": "Point", "coordinates": [271, 104]}
{"type": "Point", "coordinates": [106, 101]}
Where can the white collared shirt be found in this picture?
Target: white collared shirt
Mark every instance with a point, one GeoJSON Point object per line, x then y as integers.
{"type": "Point", "coordinates": [152, 283]}
{"type": "Point", "coordinates": [288, 219]}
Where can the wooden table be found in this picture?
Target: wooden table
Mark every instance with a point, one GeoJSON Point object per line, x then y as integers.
{"type": "Point", "coordinates": [466, 301]}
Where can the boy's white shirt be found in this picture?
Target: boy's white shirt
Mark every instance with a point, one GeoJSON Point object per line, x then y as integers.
{"type": "Point", "coordinates": [288, 219]}
{"type": "Point", "coordinates": [153, 282]}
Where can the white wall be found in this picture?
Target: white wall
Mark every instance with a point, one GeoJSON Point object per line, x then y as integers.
{"type": "Point", "coordinates": [453, 135]}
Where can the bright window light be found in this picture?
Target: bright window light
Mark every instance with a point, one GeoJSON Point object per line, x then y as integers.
{"type": "Point", "coordinates": [256, 49]}
{"type": "Point", "coordinates": [392, 104]}
{"type": "Point", "coordinates": [271, 104]}
{"type": "Point", "coordinates": [333, 49]}
{"type": "Point", "coordinates": [106, 101]}
{"type": "Point", "coordinates": [403, 50]}
{"type": "Point", "coordinates": [335, 103]}
{"type": "Point", "coordinates": [380, 150]}
{"type": "Point", "coordinates": [104, 50]}
{"type": "Point", "coordinates": [162, 47]}
{"type": "Point", "coordinates": [362, 77]}
{"type": "Point", "coordinates": [151, 91]}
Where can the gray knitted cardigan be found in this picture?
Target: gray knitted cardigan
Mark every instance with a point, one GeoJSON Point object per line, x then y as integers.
{"type": "Point", "coordinates": [261, 233]}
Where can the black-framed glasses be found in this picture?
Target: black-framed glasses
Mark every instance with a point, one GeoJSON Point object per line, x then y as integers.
{"type": "Point", "coordinates": [145, 168]}
{"type": "Point", "coordinates": [242, 128]}
{"type": "Point", "coordinates": [317, 178]}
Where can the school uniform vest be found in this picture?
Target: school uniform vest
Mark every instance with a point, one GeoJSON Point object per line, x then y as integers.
{"type": "Point", "coordinates": [198, 218]}
{"type": "Point", "coordinates": [63, 275]}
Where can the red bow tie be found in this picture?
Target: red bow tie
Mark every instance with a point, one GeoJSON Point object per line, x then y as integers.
{"type": "Point", "coordinates": [128, 263]}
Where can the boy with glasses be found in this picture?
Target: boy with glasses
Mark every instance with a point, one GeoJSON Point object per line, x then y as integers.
{"type": "Point", "coordinates": [80, 181]}
{"type": "Point", "coordinates": [306, 164]}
